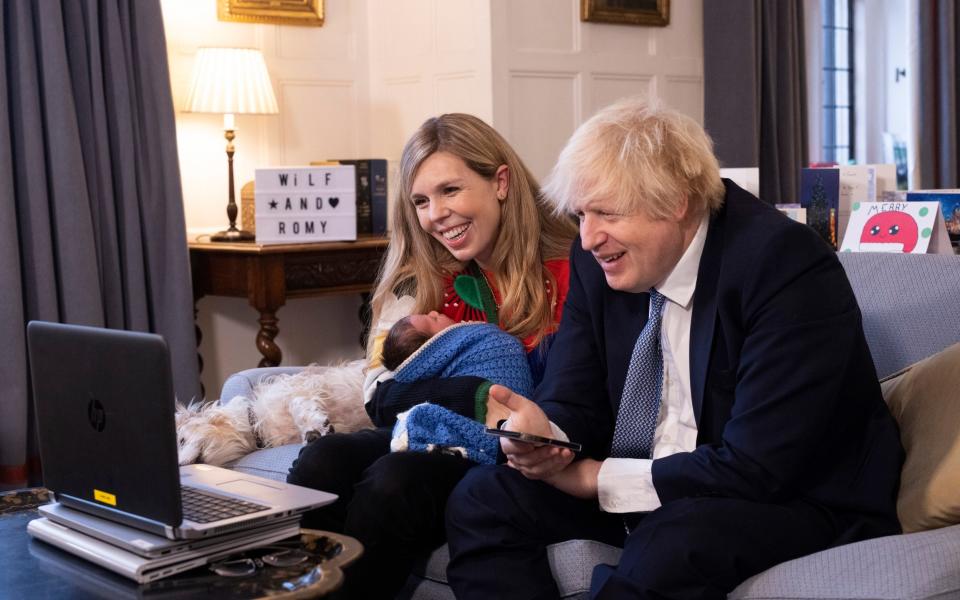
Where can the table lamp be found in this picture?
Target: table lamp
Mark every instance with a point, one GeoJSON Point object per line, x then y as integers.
{"type": "Point", "coordinates": [231, 81]}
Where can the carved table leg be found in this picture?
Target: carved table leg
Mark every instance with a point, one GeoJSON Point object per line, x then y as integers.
{"type": "Point", "coordinates": [265, 344]}
{"type": "Point", "coordinates": [267, 291]}
{"type": "Point", "coordinates": [197, 278]}
{"type": "Point", "coordinates": [365, 315]}
{"type": "Point", "coordinates": [199, 334]}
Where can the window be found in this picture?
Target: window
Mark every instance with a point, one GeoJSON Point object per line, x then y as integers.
{"type": "Point", "coordinates": [837, 82]}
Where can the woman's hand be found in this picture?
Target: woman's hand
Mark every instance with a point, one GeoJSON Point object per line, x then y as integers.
{"type": "Point", "coordinates": [535, 462]}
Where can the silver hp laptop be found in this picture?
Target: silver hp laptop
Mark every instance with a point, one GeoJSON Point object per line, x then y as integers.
{"type": "Point", "coordinates": [149, 545]}
{"type": "Point", "coordinates": [105, 413]}
{"type": "Point", "coordinates": [136, 567]}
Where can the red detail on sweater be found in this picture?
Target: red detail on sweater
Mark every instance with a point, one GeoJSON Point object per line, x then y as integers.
{"type": "Point", "coordinates": [458, 310]}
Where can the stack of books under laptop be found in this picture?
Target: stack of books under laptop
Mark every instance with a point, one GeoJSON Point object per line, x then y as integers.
{"type": "Point", "coordinates": [105, 413]}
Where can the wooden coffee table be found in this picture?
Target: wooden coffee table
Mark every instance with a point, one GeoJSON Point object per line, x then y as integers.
{"type": "Point", "coordinates": [33, 569]}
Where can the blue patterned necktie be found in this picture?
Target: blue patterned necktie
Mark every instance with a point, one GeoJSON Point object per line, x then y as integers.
{"type": "Point", "coordinates": [640, 403]}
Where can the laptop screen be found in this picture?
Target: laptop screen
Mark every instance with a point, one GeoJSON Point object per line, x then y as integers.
{"type": "Point", "coordinates": [105, 413]}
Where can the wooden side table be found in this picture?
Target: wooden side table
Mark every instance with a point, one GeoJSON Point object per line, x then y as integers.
{"type": "Point", "coordinates": [268, 275]}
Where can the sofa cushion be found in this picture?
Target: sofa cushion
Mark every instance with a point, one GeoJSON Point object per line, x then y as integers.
{"type": "Point", "coordinates": [916, 566]}
{"type": "Point", "coordinates": [909, 304]}
{"type": "Point", "coordinates": [924, 401]}
{"type": "Point", "coordinates": [272, 463]}
{"type": "Point", "coordinates": [572, 563]}
{"type": "Point", "coordinates": [243, 383]}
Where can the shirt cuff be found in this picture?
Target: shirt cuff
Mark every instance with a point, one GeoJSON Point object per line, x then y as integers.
{"type": "Point", "coordinates": [625, 485]}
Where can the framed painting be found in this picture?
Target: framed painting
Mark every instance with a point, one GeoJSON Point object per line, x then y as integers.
{"type": "Point", "coordinates": [630, 12]}
{"type": "Point", "coordinates": [277, 12]}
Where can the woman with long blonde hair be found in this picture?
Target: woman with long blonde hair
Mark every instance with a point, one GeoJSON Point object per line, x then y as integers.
{"type": "Point", "coordinates": [471, 239]}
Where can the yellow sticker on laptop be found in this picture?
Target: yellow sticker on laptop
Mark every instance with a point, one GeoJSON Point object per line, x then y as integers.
{"type": "Point", "coordinates": [104, 497]}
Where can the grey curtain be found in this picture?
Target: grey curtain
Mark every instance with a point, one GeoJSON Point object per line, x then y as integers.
{"type": "Point", "coordinates": [939, 128]}
{"type": "Point", "coordinates": [755, 90]}
{"type": "Point", "coordinates": [91, 213]}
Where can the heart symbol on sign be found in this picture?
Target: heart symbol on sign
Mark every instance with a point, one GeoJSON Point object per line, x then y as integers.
{"type": "Point", "coordinates": [334, 202]}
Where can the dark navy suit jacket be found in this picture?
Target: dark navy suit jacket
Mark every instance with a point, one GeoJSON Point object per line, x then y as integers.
{"type": "Point", "coordinates": [785, 393]}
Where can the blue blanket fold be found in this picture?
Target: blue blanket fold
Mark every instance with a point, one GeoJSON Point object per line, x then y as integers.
{"type": "Point", "coordinates": [432, 428]}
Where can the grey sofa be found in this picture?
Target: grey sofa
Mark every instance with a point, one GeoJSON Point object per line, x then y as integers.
{"type": "Point", "coordinates": [911, 310]}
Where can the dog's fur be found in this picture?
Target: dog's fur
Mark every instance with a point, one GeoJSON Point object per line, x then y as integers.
{"type": "Point", "coordinates": [287, 409]}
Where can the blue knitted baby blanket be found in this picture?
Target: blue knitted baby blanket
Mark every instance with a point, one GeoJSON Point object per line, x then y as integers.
{"type": "Point", "coordinates": [480, 349]}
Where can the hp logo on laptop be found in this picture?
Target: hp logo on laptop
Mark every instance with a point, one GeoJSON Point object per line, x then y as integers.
{"type": "Point", "coordinates": [96, 414]}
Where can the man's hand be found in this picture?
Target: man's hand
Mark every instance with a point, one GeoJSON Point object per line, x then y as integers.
{"type": "Point", "coordinates": [579, 479]}
{"type": "Point", "coordinates": [496, 412]}
{"type": "Point", "coordinates": [535, 462]}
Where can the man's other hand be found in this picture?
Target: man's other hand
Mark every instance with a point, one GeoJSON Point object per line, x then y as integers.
{"type": "Point", "coordinates": [535, 462]}
{"type": "Point", "coordinates": [579, 479]}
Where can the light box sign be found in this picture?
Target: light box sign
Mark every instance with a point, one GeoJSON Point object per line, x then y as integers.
{"type": "Point", "coordinates": [305, 204]}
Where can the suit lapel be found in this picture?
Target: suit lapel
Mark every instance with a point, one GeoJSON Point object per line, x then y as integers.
{"type": "Point", "coordinates": [704, 317]}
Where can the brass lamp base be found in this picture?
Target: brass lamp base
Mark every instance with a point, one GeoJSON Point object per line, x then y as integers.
{"type": "Point", "coordinates": [232, 235]}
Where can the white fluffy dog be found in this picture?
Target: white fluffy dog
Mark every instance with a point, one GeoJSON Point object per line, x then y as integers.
{"type": "Point", "coordinates": [285, 409]}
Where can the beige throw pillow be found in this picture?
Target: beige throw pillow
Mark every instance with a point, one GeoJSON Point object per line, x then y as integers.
{"type": "Point", "coordinates": [925, 401]}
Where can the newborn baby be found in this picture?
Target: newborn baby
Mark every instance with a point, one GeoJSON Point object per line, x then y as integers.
{"type": "Point", "coordinates": [428, 346]}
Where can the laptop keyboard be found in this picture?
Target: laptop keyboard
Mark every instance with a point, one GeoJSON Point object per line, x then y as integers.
{"type": "Point", "coordinates": [203, 507]}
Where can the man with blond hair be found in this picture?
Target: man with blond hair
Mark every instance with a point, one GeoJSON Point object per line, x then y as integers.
{"type": "Point", "coordinates": [712, 362]}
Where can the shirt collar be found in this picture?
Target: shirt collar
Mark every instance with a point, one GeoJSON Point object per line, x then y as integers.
{"type": "Point", "coordinates": [680, 284]}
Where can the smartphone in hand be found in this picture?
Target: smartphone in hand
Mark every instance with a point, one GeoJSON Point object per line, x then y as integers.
{"type": "Point", "coordinates": [537, 440]}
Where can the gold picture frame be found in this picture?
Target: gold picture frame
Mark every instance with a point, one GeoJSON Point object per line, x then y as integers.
{"type": "Point", "coordinates": [630, 12]}
{"type": "Point", "coordinates": [277, 12]}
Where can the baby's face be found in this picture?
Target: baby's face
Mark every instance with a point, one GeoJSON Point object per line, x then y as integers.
{"type": "Point", "coordinates": [431, 323]}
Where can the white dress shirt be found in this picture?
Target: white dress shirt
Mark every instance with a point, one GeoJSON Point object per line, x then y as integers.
{"type": "Point", "coordinates": [626, 484]}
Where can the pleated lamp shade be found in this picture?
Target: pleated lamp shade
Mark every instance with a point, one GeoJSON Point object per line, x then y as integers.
{"type": "Point", "coordinates": [231, 80]}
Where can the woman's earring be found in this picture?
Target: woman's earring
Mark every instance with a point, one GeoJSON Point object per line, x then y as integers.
{"type": "Point", "coordinates": [501, 196]}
